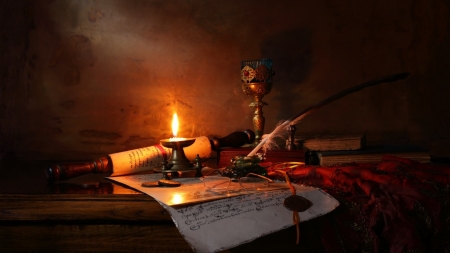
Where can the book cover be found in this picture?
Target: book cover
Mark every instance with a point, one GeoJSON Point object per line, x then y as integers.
{"type": "Point", "coordinates": [368, 155]}
{"type": "Point", "coordinates": [331, 142]}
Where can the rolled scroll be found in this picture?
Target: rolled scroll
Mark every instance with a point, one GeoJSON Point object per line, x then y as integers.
{"type": "Point", "coordinates": [145, 159]}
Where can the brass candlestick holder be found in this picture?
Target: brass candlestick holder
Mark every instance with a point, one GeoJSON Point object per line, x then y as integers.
{"type": "Point", "coordinates": [256, 78]}
{"type": "Point", "coordinates": [178, 160]}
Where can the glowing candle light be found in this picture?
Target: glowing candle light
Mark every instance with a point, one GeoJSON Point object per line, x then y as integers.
{"type": "Point", "coordinates": [175, 125]}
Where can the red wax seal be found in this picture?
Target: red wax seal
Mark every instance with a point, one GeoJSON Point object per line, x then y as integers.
{"type": "Point", "coordinates": [297, 203]}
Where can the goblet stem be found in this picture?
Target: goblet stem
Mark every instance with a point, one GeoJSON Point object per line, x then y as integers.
{"type": "Point", "coordinates": [258, 119]}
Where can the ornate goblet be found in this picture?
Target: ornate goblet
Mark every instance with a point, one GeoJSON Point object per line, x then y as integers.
{"type": "Point", "coordinates": [256, 77]}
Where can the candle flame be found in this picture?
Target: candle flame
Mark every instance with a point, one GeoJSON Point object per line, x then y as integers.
{"type": "Point", "coordinates": [175, 125]}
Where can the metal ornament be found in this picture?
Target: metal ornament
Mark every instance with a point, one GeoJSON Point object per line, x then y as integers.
{"type": "Point", "coordinates": [256, 80]}
{"type": "Point", "coordinates": [168, 183]}
{"type": "Point", "coordinates": [150, 184]}
{"type": "Point", "coordinates": [243, 165]}
{"type": "Point", "coordinates": [178, 160]}
{"type": "Point", "coordinates": [161, 183]}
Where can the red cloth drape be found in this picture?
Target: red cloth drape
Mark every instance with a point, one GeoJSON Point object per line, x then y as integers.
{"type": "Point", "coordinates": [397, 205]}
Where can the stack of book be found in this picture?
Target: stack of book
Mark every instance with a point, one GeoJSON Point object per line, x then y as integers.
{"type": "Point", "coordinates": [341, 149]}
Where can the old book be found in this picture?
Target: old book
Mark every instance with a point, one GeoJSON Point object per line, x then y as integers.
{"type": "Point", "coordinates": [331, 142]}
{"type": "Point", "coordinates": [368, 155]}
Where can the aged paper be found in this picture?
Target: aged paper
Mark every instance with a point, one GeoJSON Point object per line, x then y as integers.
{"type": "Point", "coordinates": [229, 220]}
{"type": "Point", "coordinates": [191, 190]}
{"type": "Point", "coordinates": [145, 159]}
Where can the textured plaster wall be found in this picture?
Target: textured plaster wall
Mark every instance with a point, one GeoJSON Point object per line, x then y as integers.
{"type": "Point", "coordinates": [86, 78]}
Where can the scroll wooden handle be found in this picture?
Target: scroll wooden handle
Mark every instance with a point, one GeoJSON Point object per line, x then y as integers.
{"type": "Point", "coordinates": [65, 171]}
{"type": "Point", "coordinates": [233, 140]}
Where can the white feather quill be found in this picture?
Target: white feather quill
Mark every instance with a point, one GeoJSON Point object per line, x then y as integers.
{"type": "Point", "coordinates": [281, 130]}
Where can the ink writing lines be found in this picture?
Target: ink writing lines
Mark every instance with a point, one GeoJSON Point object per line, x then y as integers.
{"type": "Point", "coordinates": [208, 213]}
{"type": "Point", "coordinates": [144, 157]}
{"type": "Point", "coordinates": [142, 178]}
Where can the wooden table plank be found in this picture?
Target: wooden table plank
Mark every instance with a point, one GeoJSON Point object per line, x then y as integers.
{"type": "Point", "coordinates": [92, 238]}
{"type": "Point", "coordinates": [71, 207]}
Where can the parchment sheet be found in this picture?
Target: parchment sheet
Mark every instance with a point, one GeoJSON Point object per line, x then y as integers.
{"type": "Point", "coordinates": [219, 221]}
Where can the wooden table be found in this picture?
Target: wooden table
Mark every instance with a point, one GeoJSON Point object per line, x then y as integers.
{"type": "Point", "coordinates": [92, 214]}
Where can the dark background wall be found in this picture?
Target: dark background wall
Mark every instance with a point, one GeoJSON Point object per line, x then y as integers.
{"type": "Point", "coordinates": [86, 78]}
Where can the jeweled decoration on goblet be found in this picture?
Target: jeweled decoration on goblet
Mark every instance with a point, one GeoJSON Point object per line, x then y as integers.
{"type": "Point", "coordinates": [256, 78]}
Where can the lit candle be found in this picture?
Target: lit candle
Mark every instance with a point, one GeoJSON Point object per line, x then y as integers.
{"type": "Point", "coordinates": [175, 125]}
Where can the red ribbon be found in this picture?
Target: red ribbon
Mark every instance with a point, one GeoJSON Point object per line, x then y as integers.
{"type": "Point", "coordinates": [162, 151]}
